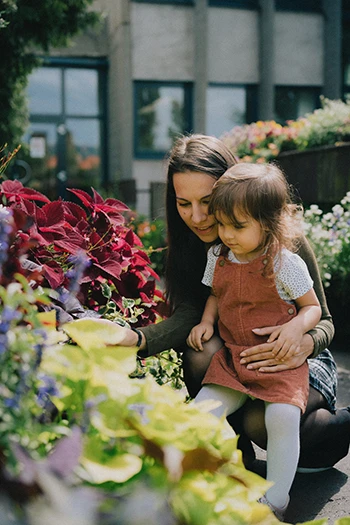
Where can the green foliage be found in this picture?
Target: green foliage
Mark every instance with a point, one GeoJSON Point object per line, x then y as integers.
{"type": "Point", "coordinates": [153, 237]}
{"type": "Point", "coordinates": [137, 432]}
{"type": "Point", "coordinates": [31, 27]}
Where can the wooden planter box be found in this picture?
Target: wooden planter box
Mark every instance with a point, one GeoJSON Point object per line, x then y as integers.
{"type": "Point", "coordinates": [320, 175]}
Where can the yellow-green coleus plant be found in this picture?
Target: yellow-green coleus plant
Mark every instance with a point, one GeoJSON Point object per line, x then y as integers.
{"type": "Point", "coordinates": [138, 432]}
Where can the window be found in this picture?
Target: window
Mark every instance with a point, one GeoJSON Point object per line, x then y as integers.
{"type": "Point", "coordinates": [67, 102]}
{"type": "Point", "coordinates": [163, 110]}
{"type": "Point", "coordinates": [189, 2]}
{"type": "Point", "coordinates": [240, 4]}
{"type": "Point", "coordinates": [299, 5]}
{"type": "Point", "coordinates": [294, 102]}
{"type": "Point", "coordinates": [229, 106]}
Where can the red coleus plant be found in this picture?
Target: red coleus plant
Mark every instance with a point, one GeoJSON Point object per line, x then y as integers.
{"type": "Point", "coordinates": [56, 230]}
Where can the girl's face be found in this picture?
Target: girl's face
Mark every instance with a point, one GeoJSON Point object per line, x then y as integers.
{"type": "Point", "coordinates": [244, 240]}
{"type": "Point", "coordinates": [193, 190]}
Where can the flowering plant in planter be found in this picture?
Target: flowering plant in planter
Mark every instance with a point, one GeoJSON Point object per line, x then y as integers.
{"type": "Point", "coordinates": [329, 235]}
{"type": "Point", "coordinates": [117, 269]}
{"type": "Point", "coordinates": [263, 141]}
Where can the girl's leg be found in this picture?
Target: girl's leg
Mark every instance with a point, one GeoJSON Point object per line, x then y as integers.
{"type": "Point", "coordinates": [195, 364]}
{"type": "Point", "coordinates": [324, 437]}
{"type": "Point", "coordinates": [231, 400]}
{"type": "Point", "coordinates": [282, 424]}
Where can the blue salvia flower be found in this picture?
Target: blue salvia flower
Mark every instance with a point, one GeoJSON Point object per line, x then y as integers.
{"type": "Point", "coordinates": [81, 262]}
{"type": "Point", "coordinates": [39, 346]}
{"type": "Point", "coordinates": [47, 389]}
{"type": "Point", "coordinates": [7, 315]}
{"type": "Point", "coordinates": [5, 230]}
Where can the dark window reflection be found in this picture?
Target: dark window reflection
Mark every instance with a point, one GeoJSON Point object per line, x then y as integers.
{"type": "Point", "coordinates": [83, 153]}
{"type": "Point", "coordinates": [226, 108]}
{"type": "Point", "coordinates": [294, 102]}
{"type": "Point", "coordinates": [161, 115]}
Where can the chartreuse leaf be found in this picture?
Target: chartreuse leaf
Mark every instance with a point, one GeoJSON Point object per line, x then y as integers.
{"type": "Point", "coordinates": [94, 333]}
{"type": "Point", "coordinates": [213, 499]}
{"type": "Point", "coordinates": [340, 521]}
{"type": "Point", "coordinates": [104, 463]}
{"type": "Point", "coordinates": [253, 484]}
{"type": "Point", "coordinates": [66, 361]}
{"type": "Point", "coordinates": [110, 419]}
{"type": "Point", "coordinates": [48, 319]}
{"type": "Point", "coordinates": [118, 468]}
{"type": "Point", "coordinates": [187, 429]}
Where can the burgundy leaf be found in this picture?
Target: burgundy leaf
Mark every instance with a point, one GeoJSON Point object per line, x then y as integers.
{"type": "Point", "coordinates": [54, 274]}
{"type": "Point", "coordinates": [14, 188]}
{"type": "Point", "coordinates": [111, 267]}
{"type": "Point", "coordinates": [54, 212]}
{"type": "Point", "coordinates": [83, 196]}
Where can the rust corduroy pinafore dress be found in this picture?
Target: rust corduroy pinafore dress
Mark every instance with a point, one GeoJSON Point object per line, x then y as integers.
{"type": "Point", "coordinates": [247, 299]}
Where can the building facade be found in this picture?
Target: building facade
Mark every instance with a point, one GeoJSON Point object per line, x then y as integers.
{"type": "Point", "coordinates": [105, 110]}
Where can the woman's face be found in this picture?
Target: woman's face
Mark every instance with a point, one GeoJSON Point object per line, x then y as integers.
{"type": "Point", "coordinates": [193, 190]}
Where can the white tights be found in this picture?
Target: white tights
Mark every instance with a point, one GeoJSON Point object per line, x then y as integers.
{"type": "Point", "coordinates": [282, 424]}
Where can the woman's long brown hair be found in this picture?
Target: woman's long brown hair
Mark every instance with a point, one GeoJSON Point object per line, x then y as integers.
{"type": "Point", "coordinates": [186, 256]}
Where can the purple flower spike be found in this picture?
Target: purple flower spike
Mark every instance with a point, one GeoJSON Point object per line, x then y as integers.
{"type": "Point", "coordinates": [81, 262]}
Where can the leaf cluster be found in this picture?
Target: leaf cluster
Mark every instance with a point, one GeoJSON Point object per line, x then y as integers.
{"type": "Point", "coordinates": [118, 270]}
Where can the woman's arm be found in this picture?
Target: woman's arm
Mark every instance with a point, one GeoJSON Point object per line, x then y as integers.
{"type": "Point", "coordinates": [262, 356]}
{"type": "Point", "coordinates": [170, 333]}
{"type": "Point", "coordinates": [323, 332]}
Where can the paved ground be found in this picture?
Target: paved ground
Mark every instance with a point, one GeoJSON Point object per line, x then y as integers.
{"type": "Point", "coordinates": [325, 494]}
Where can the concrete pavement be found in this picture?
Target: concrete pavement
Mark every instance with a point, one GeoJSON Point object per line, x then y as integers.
{"type": "Point", "coordinates": [324, 494]}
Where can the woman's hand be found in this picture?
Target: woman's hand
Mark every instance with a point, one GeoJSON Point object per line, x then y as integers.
{"type": "Point", "coordinates": [264, 357]}
{"type": "Point", "coordinates": [130, 338]}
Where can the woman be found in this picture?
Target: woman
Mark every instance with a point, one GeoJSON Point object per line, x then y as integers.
{"type": "Point", "coordinates": [194, 164]}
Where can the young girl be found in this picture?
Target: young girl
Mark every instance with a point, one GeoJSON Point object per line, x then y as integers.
{"type": "Point", "coordinates": [256, 281]}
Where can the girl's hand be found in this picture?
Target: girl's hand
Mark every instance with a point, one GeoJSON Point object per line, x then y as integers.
{"type": "Point", "coordinates": [264, 357]}
{"type": "Point", "coordinates": [199, 334]}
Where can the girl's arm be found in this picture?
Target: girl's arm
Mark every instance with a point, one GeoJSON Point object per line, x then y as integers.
{"type": "Point", "coordinates": [203, 331]}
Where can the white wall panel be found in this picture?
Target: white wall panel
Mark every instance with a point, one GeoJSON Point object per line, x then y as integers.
{"type": "Point", "coordinates": [162, 42]}
{"type": "Point", "coordinates": [233, 46]}
{"type": "Point", "coordinates": [299, 49]}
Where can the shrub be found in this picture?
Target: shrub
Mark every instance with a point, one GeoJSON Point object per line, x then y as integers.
{"type": "Point", "coordinates": [119, 269]}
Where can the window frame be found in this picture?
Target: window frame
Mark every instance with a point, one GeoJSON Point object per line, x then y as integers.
{"type": "Point", "coordinates": [140, 153]}
{"type": "Point", "coordinates": [305, 6]}
{"type": "Point", "coordinates": [235, 4]}
{"type": "Point", "coordinates": [164, 2]}
{"type": "Point", "coordinates": [101, 66]}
